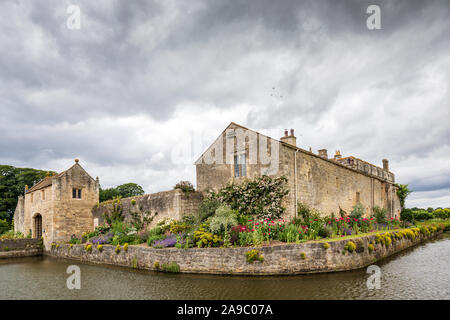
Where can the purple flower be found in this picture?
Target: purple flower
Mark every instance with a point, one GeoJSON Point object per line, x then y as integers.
{"type": "Point", "coordinates": [170, 241]}
{"type": "Point", "coordinates": [348, 231]}
{"type": "Point", "coordinates": [102, 239]}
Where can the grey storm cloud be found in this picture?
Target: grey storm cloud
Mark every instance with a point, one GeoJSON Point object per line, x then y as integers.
{"type": "Point", "coordinates": [142, 80]}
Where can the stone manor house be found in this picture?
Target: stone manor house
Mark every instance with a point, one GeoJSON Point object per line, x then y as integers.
{"type": "Point", "coordinates": [65, 204]}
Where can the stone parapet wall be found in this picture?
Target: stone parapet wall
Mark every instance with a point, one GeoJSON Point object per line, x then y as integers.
{"type": "Point", "coordinates": [287, 259]}
{"type": "Point", "coordinates": [168, 204]}
{"type": "Point", "coordinates": [11, 248]}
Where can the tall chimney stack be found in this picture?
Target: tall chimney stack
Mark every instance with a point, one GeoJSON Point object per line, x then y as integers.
{"type": "Point", "coordinates": [386, 164]}
{"type": "Point", "coordinates": [337, 155]}
{"type": "Point", "coordinates": [291, 139]}
{"type": "Point", "coordinates": [323, 153]}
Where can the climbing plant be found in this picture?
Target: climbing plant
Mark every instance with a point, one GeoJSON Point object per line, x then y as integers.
{"type": "Point", "coordinates": [402, 191]}
{"type": "Point", "coordinates": [261, 197]}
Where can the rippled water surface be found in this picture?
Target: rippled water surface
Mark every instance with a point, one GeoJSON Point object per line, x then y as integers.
{"type": "Point", "coordinates": [422, 272]}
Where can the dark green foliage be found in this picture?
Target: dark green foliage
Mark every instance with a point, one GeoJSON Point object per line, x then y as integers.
{"type": "Point", "coordinates": [4, 226]}
{"type": "Point", "coordinates": [207, 207]}
{"type": "Point", "coordinates": [12, 184]}
{"type": "Point", "coordinates": [172, 267]}
{"type": "Point", "coordinates": [141, 219]}
{"type": "Point", "coordinates": [116, 214]}
{"type": "Point", "coordinates": [185, 186]}
{"type": "Point", "coordinates": [403, 191]}
{"type": "Point", "coordinates": [380, 214]}
{"type": "Point", "coordinates": [407, 215]}
{"type": "Point", "coordinates": [357, 211]}
{"type": "Point", "coordinates": [123, 191]}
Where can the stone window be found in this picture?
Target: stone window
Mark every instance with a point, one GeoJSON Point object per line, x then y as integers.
{"type": "Point", "coordinates": [76, 193]}
{"type": "Point", "coordinates": [240, 166]}
{"type": "Point", "coordinates": [43, 194]}
{"type": "Point", "coordinates": [358, 197]}
{"type": "Point", "coordinates": [31, 198]}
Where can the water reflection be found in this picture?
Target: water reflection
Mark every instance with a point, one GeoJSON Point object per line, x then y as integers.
{"type": "Point", "coordinates": [418, 273]}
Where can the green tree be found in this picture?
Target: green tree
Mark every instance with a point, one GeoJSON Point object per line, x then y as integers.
{"type": "Point", "coordinates": [12, 184]}
{"type": "Point", "coordinates": [4, 226]}
{"type": "Point", "coordinates": [403, 191]}
{"type": "Point", "coordinates": [123, 191]}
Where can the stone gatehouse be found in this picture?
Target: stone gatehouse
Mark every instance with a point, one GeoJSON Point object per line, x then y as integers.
{"type": "Point", "coordinates": [327, 184]}
{"type": "Point", "coordinates": [58, 206]}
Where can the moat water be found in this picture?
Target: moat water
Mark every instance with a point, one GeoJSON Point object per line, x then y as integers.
{"type": "Point", "coordinates": [422, 272]}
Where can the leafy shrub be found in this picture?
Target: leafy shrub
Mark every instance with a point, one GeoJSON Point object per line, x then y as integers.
{"type": "Point", "coordinates": [133, 202]}
{"type": "Point", "coordinates": [172, 267]}
{"type": "Point", "coordinates": [441, 213]}
{"type": "Point", "coordinates": [207, 207]}
{"type": "Point", "coordinates": [326, 245]}
{"type": "Point", "coordinates": [100, 248]}
{"type": "Point", "coordinates": [117, 248]}
{"type": "Point", "coordinates": [203, 238]}
{"type": "Point", "coordinates": [125, 247]}
{"type": "Point", "coordinates": [423, 215]}
{"type": "Point", "coordinates": [370, 247]}
{"type": "Point", "coordinates": [325, 232]}
{"type": "Point", "coordinates": [357, 211]}
{"type": "Point", "coordinates": [253, 255]}
{"type": "Point", "coordinates": [235, 233]}
{"type": "Point", "coordinates": [380, 214]}
{"type": "Point", "coordinates": [178, 227]}
{"type": "Point", "coordinates": [156, 265]}
{"type": "Point", "coordinates": [291, 233]}
{"type": "Point", "coordinates": [116, 213]}
{"type": "Point", "coordinates": [407, 215]}
{"type": "Point", "coordinates": [303, 255]}
{"type": "Point", "coordinates": [223, 219]}
{"type": "Point", "coordinates": [185, 186]}
{"type": "Point", "coordinates": [350, 246]}
{"type": "Point", "coordinates": [261, 197]}
{"type": "Point", "coordinates": [245, 238]}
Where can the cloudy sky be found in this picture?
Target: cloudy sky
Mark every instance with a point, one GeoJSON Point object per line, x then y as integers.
{"type": "Point", "coordinates": [143, 87]}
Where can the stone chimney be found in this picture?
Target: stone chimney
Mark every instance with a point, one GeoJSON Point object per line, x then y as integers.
{"type": "Point", "coordinates": [291, 139]}
{"type": "Point", "coordinates": [386, 164]}
{"type": "Point", "coordinates": [337, 155]}
{"type": "Point", "coordinates": [323, 153]}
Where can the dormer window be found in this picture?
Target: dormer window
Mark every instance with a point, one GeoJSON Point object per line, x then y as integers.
{"type": "Point", "coordinates": [76, 193]}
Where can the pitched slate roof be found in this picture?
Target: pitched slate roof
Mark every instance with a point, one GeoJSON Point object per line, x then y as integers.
{"type": "Point", "coordinates": [47, 181]}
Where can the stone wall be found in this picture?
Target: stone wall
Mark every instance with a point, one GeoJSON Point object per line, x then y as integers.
{"type": "Point", "coordinates": [324, 184]}
{"type": "Point", "coordinates": [278, 259]}
{"type": "Point", "coordinates": [329, 187]}
{"type": "Point", "coordinates": [62, 215]}
{"type": "Point", "coordinates": [72, 216]}
{"type": "Point", "coordinates": [19, 215]}
{"type": "Point", "coordinates": [12, 248]}
{"type": "Point", "coordinates": [168, 204]}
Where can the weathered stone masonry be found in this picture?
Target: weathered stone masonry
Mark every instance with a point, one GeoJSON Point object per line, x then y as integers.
{"type": "Point", "coordinates": [49, 209]}
{"type": "Point", "coordinates": [168, 204]}
{"type": "Point", "coordinates": [14, 248]}
{"type": "Point", "coordinates": [322, 183]}
{"type": "Point", "coordinates": [278, 259]}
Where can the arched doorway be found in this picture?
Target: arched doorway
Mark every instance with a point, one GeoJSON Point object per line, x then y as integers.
{"type": "Point", "coordinates": [37, 226]}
